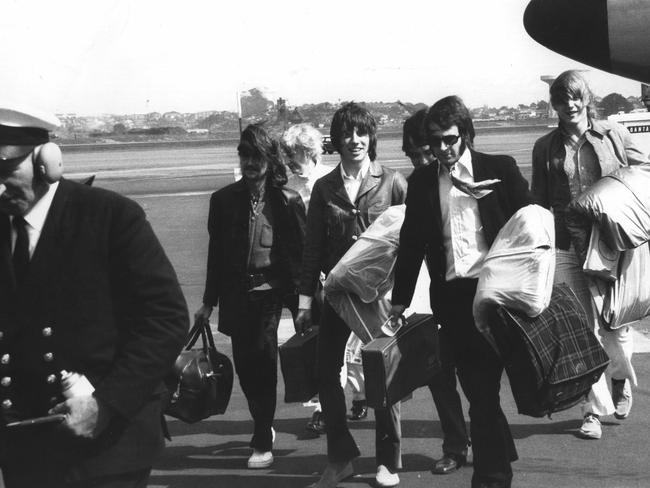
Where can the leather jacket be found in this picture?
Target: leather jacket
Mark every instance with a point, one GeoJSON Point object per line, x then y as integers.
{"type": "Point", "coordinates": [334, 223]}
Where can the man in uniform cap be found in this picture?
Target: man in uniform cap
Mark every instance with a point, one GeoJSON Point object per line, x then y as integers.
{"type": "Point", "coordinates": [86, 288]}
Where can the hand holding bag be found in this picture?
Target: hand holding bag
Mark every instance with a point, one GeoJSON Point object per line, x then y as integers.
{"type": "Point", "coordinates": [201, 380]}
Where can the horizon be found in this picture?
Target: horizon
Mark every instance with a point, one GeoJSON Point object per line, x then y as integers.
{"type": "Point", "coordinates": [123, 57]}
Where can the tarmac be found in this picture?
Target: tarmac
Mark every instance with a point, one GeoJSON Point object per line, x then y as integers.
{"type": "Point", "coordinates": [213, 453]}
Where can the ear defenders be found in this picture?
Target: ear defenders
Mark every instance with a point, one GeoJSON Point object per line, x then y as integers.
{"type": "Point", "coordinates": [48, 162]}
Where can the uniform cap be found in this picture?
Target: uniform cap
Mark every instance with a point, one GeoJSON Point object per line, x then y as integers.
{"type": "Point", "coordinates": [22, 129]}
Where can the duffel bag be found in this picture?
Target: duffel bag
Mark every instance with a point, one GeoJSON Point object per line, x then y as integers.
{"type": "Point", "coordinates": [200, 383]}
{"type": "Point", "coordinates": [551, 360]}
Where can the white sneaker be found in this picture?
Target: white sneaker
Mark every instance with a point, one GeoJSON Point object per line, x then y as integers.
{"type": "Point", "coordinates": [591, 427]}
{"type": "Point", "coordinates": [386, 479]}
{"type": "Point", "coordinates": [260, 459]}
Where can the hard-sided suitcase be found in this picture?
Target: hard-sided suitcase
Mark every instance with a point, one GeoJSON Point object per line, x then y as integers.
{"type": "Point", "coordinates": [395, 366]}
{"type": "Point", "coordinates": [551, 360]}
{"type": "Point", "coordinates": [298, 364]}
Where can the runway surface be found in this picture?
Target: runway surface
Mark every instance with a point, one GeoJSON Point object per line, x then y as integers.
{"type": "Point", "coordinates": [173, 186]}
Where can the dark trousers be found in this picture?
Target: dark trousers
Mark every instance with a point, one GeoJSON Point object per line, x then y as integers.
{"type": "Point", "coordinates": [479, 371]}
{"type": "Point", "coordinates": [447, 400]}
{"type": "Point", "coordinates": [255, 353]}
{"type": "Point", "coordinates": [39, 476]}
{"type": "Point", "coordinates": [341, 447]}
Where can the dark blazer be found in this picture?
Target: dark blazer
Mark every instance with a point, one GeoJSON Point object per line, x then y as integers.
{"type": "Point", "coordinates": [334, 222]}
{"type": "Point", "coordinates": [421, 234]}
{"type": "Point", "coordinates": [228, 249]}
{"type": "Point", "coordinates": [102, 299]}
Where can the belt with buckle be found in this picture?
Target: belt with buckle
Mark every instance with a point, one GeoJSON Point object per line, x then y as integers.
{"type": "Point", "coordinates": [254, 280]}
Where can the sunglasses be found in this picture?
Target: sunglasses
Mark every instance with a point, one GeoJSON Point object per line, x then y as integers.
{"type": "Point", "coordinates": [450, 140]}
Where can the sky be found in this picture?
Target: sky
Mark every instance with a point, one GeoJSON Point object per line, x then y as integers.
{"type": "Point", "coordinates": [128, 56]}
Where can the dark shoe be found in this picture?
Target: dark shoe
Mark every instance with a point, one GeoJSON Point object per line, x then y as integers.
{"type": "Point", "coordinates": [317, 423]}
{"type": "Point", "coordinates": [334, 473]}
{"type": "Point", "coordinates": [359, 410]}
{"type": "Point", "coordinates": [448, 464]}
{"type": "Point", "coordinates": [622, 397]}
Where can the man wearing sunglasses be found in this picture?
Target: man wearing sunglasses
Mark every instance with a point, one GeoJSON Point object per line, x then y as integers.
{"type": "Point", "coordinates": [454, 211]}
{"type": "Point", "coordinates": [443, 387]}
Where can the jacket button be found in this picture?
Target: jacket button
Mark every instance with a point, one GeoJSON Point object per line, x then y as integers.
{"type": "Point", "coordinates": [6, 381]}
{"type": "Point", "coordinates": [51, 378]}
{"type": "Point", "coordinates": [5, 359]}
{"type": "Point", "coordinates": [6, 404]}
{"type": "Point", "coordinates": [47, 331]}
{"type": "Point", "coordinates": [354, 238]}
{"type": "Point", "coordinates": [48, 357]}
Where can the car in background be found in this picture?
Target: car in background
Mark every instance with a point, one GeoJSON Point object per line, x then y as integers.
{"type": "Point", "coordinates": [328, 147]}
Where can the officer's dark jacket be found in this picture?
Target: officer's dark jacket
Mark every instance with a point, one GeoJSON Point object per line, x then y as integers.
{"type": "Point", "coordinates": [102, 299]}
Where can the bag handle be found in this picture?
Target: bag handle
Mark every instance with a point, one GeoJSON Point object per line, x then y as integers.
{"type": "Point", "coordinates": [201, 329]}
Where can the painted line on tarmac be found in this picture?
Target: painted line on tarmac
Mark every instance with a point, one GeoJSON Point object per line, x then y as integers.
{"type": "Point", "coordinates": [173, 194]}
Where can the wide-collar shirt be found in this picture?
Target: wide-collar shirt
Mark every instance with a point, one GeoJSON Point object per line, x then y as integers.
{"type": "Point", "coordinates": [352, 184]}
{"type": "Point", "coordinates": [35, 219]}
{"type": "Point", "coordinates": [580, 163]}
{"type": "Point", "coordinates": [462, 230]}
{"type": "Point", "coordinates": [305, 184]}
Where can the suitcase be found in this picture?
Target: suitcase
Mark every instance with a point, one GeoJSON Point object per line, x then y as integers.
{"type": "Point", "coordinates": [394, 367]}
{"type": "Point", "coordinates": [298, 364]}
{"type": "Point", "coordinates": [551, 360]}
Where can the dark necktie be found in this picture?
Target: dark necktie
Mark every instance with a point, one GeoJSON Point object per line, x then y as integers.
{"type": "Point", "coordinates": [21, 250]}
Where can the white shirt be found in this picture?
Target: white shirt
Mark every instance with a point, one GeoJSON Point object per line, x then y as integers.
{"type": "Point", "coordinates": [35, 219]}
{"type": "Point", "coordinates": [462, 230]}
{"type": "Point", "coordinates": [305, 184]}
{"type": "Point", "coordinates": [353, 184]}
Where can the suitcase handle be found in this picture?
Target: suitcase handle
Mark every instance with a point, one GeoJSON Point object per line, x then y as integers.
{"type": "Point", "coordinates": [388, 330]}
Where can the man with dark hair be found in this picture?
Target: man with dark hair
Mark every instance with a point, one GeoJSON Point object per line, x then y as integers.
{"type": "Point", "coordinates": [443, 385]}
{"type": "Point", "coordinates": [85, 288]}
{"type": "Point", "coordinates": [343, 204]}
{"type": "Point", "coordinates": [256, 229]}
{"type": "Point", "coordinates": [454, 211]}
{"type": "Point", "coordinates": [413, 144]}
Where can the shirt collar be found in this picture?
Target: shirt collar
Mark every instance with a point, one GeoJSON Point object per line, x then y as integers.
{"type": "Point", "coordinates": [38, 213]}
{"type": "Point", "coordinates": [465, 161]}
{"type": "Point", "coordinates": [365, 166]}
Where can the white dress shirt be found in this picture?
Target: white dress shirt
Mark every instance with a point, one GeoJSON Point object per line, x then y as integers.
{"type": "Point", "coordinates": [35, 219]}
{"type": "Point", "coordinates": [352, 184]}
{"type": "Point", "coordinates": [462, 230]}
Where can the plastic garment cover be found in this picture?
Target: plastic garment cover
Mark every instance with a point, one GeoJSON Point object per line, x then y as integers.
{"type": "Point", "coordinates": [620, 203]}
{"type": "Point", "coordinates": [601, 260]}
{"type": "Point", "coordinates": [357, 286]}
{"type": "Point", "coordinates": [628, 298]}
{"type": "Point", "coordinates": [366, 269]}
{"type": "Point", "coordinates": [519, 268]}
